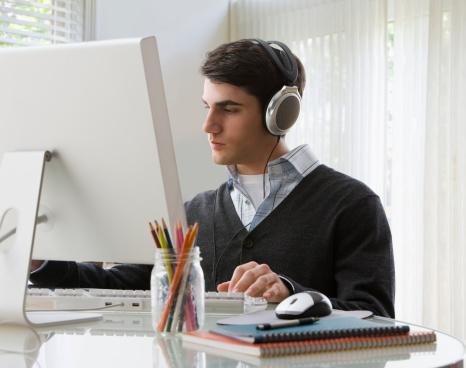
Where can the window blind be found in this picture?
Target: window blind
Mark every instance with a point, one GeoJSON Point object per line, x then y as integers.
{"type": "Point", "coordinates": [41, 22]}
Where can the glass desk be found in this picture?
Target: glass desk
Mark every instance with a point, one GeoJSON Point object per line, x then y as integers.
{"type": "Point", "coordinates": [127, 340]}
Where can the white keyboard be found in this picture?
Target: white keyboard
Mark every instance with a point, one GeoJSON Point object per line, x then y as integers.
{"type": "Point", "coordinates": [224, 302]}
{"type": "Point", "coordinates": [130, 300]}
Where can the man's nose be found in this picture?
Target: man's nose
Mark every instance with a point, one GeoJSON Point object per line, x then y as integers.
{"type": "Point", "coordinates": [211, 123]}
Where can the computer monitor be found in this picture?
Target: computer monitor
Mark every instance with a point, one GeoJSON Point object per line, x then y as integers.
{"type": "Point", "coordinates": [100, 109]}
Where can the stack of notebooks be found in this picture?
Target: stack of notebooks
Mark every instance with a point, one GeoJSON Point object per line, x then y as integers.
{"type": "Point", "coordinates": [326, 335]}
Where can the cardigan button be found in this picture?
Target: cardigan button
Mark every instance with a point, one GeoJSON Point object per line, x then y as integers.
{"type": "Point", "coordinates": [248, 243]}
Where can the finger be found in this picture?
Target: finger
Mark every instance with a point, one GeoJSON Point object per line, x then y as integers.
{"type": "Point", "coordinates": [261, 284]}
{"type": "Point", "coordinates": [238, 273]}
{"type": "Point", "coordinates": [223, 286]}
{"type": "Point", "coordinates": [250, 276]}
{"type": "Point", "coordinates": [277, 292]}
{"type": "Point", "coordinates": [271, 293]}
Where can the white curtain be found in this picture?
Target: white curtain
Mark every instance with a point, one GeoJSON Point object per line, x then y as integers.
{"type": "Point", "coordinates": [444, 299]}
{"type": "Point", "coordinates": [407, 105]}
{"type": "Point", "coordinates": [384, 100]}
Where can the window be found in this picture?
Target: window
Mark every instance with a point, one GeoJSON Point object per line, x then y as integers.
{"type": "Point", "coordinates": [43, 22]}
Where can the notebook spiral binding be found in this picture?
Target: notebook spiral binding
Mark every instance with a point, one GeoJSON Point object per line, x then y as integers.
{"type": "Point", "coordinates": [319, 335]}
{"type": "Point", "coordinates": [279, 349]}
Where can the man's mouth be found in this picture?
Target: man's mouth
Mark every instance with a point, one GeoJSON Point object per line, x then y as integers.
{"type": "Point", "coordinates": [216, 145]}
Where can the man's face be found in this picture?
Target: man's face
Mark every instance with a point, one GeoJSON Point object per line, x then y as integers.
{"type": "Point", "coordinates": [234, 125]}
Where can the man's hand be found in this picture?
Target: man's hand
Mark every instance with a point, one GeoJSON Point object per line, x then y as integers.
{"type": "Point", "coordinates": [256, 280]}
{"type": "Point", "coordinates": [35, 265]}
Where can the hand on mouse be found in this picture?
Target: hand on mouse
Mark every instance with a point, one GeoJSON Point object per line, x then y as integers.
{"type": "Point", "coordinates": [256, 280]}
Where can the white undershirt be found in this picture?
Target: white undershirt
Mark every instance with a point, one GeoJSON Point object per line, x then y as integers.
{"type": "Point", "coordinates": [253, 184]}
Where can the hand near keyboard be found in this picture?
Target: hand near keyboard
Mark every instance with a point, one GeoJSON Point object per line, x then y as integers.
{"type": "Point", "coordinates": [35, 265]}
{"type": "Point", "coordinates": [256, 280]}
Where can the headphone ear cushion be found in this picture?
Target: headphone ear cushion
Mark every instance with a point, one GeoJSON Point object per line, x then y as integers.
{"type": "Point", "coordinates": [283, 110]}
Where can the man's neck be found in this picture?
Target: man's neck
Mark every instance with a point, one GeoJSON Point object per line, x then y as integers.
{"type": "Point", "coordinates": [257, 167]}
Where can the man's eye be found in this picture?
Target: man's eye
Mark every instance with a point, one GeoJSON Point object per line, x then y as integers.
{"type": "Point", "coordinates": [229, 110]}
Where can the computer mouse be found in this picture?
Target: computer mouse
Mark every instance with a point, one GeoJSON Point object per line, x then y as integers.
{"type": "Point", "coordinates": [305, 304]}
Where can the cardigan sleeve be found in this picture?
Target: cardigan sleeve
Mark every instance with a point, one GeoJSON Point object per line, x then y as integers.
{"type": "Point", "coordinates": [58, 274]}
{"type": "Point", "coordinates": [363, 260]}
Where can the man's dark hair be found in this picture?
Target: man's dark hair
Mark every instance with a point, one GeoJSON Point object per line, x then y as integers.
{"type": "Point", "coordinates": [246, 64]}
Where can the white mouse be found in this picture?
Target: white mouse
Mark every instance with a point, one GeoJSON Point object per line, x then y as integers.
{"type": "Point", "coordinates": [305, 304]}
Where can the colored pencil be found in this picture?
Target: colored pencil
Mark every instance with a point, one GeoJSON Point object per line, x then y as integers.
{"type": "Point", "coordinates": [167, 235]}
{"type": "Point", "coordinates": [179, 237]}
{"type": "Point", "coordinates": [181, 294]}
{"type": "Point", "coordinates": [165, 251]}
{"type": "Point", "coordinates": [161, 235]}
{"type": "Point", "coordinates": [154, 235]}
{"type": "Point", "coordinates": [190, 314]}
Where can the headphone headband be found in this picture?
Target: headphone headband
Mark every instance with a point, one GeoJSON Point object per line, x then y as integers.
{"type": "Point", "coordinates": [283, 59]}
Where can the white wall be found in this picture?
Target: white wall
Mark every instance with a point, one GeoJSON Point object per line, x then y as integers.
{"type": "Point", "coordinates": [185, 31]}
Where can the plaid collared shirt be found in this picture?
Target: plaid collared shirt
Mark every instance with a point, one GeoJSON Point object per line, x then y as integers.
{"type": "Point", "coordinates": [284, 174]}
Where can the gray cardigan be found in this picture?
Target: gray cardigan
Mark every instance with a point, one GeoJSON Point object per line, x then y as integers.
{"type": "Point", "coordinates": [329, 234]}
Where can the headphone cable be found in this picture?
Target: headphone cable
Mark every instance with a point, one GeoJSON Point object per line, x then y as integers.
{"type": "Point", "coordinates": [265, 167]}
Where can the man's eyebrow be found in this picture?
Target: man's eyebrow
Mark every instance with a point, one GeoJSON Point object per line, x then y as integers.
{"type": "Point", "coordinates": [224, 103]}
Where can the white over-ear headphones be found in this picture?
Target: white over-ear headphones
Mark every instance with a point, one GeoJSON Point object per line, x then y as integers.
{"type": "Point", "coordinates": [283, 108]}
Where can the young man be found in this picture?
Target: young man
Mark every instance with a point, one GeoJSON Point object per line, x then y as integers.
{"type": "Point", "coordinates": [283, 222]}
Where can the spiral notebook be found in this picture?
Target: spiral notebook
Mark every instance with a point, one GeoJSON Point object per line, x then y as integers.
{"type": "Point", "coordinates": [322, 329]}
{"type": "Point", "coordinates": [199, 339]}
{"type": "Point", "coordinates": [339, 334]}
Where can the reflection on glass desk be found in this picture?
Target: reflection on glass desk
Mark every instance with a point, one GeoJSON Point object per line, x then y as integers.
{"type": "Point", "coordinates": [127, 340]}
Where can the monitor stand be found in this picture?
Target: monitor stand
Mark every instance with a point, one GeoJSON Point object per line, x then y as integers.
{"type": "Point", "coordinates": [21, 176]}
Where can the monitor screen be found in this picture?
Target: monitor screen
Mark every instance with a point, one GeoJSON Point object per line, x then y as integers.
{"type": "Point", "coordinates": [100, 108]}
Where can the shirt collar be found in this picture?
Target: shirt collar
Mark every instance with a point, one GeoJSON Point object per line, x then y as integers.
{"type": "Point", "coordinates": [300, 159]}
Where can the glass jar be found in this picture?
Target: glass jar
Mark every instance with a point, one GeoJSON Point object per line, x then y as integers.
{"type": "Point", "coordinates": [177, 291]}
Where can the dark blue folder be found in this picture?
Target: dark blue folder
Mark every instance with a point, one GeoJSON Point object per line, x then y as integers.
{"type": "Point", "coordinates": [330, 328]}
